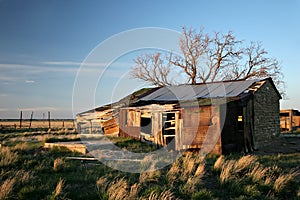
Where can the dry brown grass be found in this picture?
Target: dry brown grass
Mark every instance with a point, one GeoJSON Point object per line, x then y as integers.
{"type": "Point", "coordinates": [7, 156]}
{"type": "Point", "coordinates": [226, 171]}
{"type": "Point", "coordinates": [118, 190]}
{"type": "Point", "coordinates": [59, 188]}
{"type": "Point", "coordinates": [151, 175]}
{"type": "Point", "coordinates": [165, 195]}
{"type": "Point", "coordinates": [219, 163]}
{"type": "Point", "coordinates": [200, 170]}
{"type": "Point", "coordinates": [6, 188]}
{"type": "Point", "coordinates": [284, 179]}
{"type": "Point", "coordinates": [259, 173]}
{"type": "Point", "coordinates": [21, 146]}
{"type": "Point", "coordinates": [58, 164]}
{"type": "Point", "coordinates": [102, 184]}
{"type": "Point", "coordinates": [23, 176]}
{"type": "Point", "coordinates": [134, 190]}
{"type": "Point", "coordinates": [244, 163]}
{"type": "Point", "coordinates": [174, 172]}
{"type": "Point", "coordinates": [188, 165]}
{"type": "Point", "coordinates": [39, 124]}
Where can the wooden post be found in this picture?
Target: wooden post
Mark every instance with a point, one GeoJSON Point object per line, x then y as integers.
{"type": "Point", "coordinates": [79, 128]}
{"type": "Point", "coordinates": [31, 116]}
{"type": "Point", "coordinates": [21, 114]}
{"type": "Point", "coordinates": [63, 123]}
{"type": "Point", "coordinates": [91, 127]}
{"type": "Point", "coordinates": [49, 119]}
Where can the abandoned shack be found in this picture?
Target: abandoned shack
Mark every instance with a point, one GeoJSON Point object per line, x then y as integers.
{"type": "Point", "coordinates": [289, 120]}
{"type": "Point", "coordinates": [245, 113]}
{"type": "Point", "coordinates": [105, 119]}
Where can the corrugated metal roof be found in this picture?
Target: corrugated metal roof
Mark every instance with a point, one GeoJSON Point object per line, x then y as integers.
{"type": "Point", "coordinates": [209, 90]}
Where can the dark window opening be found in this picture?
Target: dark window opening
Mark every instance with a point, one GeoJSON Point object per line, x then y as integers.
{"type": "Point", "coordinates": [146, 125]}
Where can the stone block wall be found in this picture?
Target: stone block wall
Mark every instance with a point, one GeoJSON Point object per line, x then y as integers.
{"type": "Point", "coordinates": [266, 115]}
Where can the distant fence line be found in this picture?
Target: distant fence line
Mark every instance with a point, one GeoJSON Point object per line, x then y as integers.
{"type": "Point", "coordinates": [15, 124]}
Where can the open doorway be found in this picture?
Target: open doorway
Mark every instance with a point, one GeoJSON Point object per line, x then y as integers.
{"type": "Point", "coordinates": [146, 124]}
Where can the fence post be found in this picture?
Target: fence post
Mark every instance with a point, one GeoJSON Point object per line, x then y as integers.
{"type": "Point", "coordinates": [21, 119]}
{"type": "Point", "coordinates": [31, 116]}
{"type": "Point", "coordinates": [49, 119]}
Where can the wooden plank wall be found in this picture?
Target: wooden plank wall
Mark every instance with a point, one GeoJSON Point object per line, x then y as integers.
{"type": "Point", "coordinates": [197, 124]}
{"type": "Point", "coordinates": [128, 121]}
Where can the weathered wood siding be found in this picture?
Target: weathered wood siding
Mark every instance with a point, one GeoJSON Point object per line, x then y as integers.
{"type": "Point", "coordinates": [128, 124]}
{"type": "Point", "coordinates": [199, 127]}
{"type": "Point", "coordinates": [290, 120]}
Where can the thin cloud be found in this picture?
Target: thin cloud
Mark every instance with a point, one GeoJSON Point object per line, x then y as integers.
{"type": "Point", "coordinates": [71, 63]}
{"type": "Point", "coordinates": [36, 109]}
{"type": "Point", "coordinates": [35, 68]}
{"type": "Point", "coordinates": [86, 64]}
{"type": "Point", "coordinates": [63, 63]}
{"type": "Point", "coordinates": [21, 72]}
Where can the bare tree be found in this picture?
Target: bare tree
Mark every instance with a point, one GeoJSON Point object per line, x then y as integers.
{"type": "Point", "coordinates": [151, 68]}
{"type": "Point", "coordinates": [255, 63]}
{"type": "Point", "coordinates": [193, 47]}
{"type": "Point", "coordinates": [224, 51]}
{"type": "Point", "coordinates": [207, 58]}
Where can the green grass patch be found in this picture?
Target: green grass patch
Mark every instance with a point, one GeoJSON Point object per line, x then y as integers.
{"type": "Point", "coordinates": [28, 171]}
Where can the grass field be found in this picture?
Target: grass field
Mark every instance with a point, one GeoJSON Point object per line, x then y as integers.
{"type": "Point", "coordinates": [67, 123]}
{"type": "Point", "coordinates": [28, 171]}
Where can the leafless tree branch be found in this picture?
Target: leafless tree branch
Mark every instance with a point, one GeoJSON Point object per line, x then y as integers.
{"type": "Point", "coordinates": [207, 58]}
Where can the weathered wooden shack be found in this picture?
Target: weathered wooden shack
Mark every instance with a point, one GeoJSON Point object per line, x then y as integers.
{"type": "Point", "coordinates": [229, 116]}
{"type": "Point", "coordinates": [105, 119]}
{"type": "Point", "coordinates": [289, 120]}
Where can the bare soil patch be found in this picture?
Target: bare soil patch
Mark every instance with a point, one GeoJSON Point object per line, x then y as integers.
{"type": "Point", "coordinates": [285, 144]}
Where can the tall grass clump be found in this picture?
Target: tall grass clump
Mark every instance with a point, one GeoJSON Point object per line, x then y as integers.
{"type": "Point", "coordinates": [188, 166]}
{"type": "Point", "coordinates": [6, 188]}
{"type": "Point", "coordinates": [58, 192]}
{"type": "Point", "coordinates": [58, 164]}
{"type": "Point", "coordinates": [227, 171]}
{"type": "Point", "coordinates": [7, 157]}
{"type": "Point", "coordinates": [174, 172]}
{"type": "Point", "coordinates": [285, 180]}
{"type": "Point", "coordinates": [23, 176]}
{"type": "Point", "coordinates": [134, 190]}
{"type": "Point", "coordinates": [259, 173]}
{"type": "Point", "coordinates": [102, 184]}
{"type": "Point", "coordinates": [118, 189]}
{"type": "Point", "coordinates": [164, 195]}
{"type": "Point", "coordinates": [245, 163]}
{"type": "Point", "coordinates": [152, 175]}
{"type": "Point", "coordinates": [22, 146]}
{"type": "Point", "coordinates": [194, 181]}
{"type": "Point", "coordinates": [219, 163]}
{"type": "Point", "coordinates": [234, 169]}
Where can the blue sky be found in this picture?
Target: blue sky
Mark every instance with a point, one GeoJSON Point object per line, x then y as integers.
{"type": "Point", "coordinates": [43, 43]}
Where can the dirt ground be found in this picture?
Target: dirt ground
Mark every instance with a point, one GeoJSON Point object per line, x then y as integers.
{"type": "Point", "coordinates": [284, 144]}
